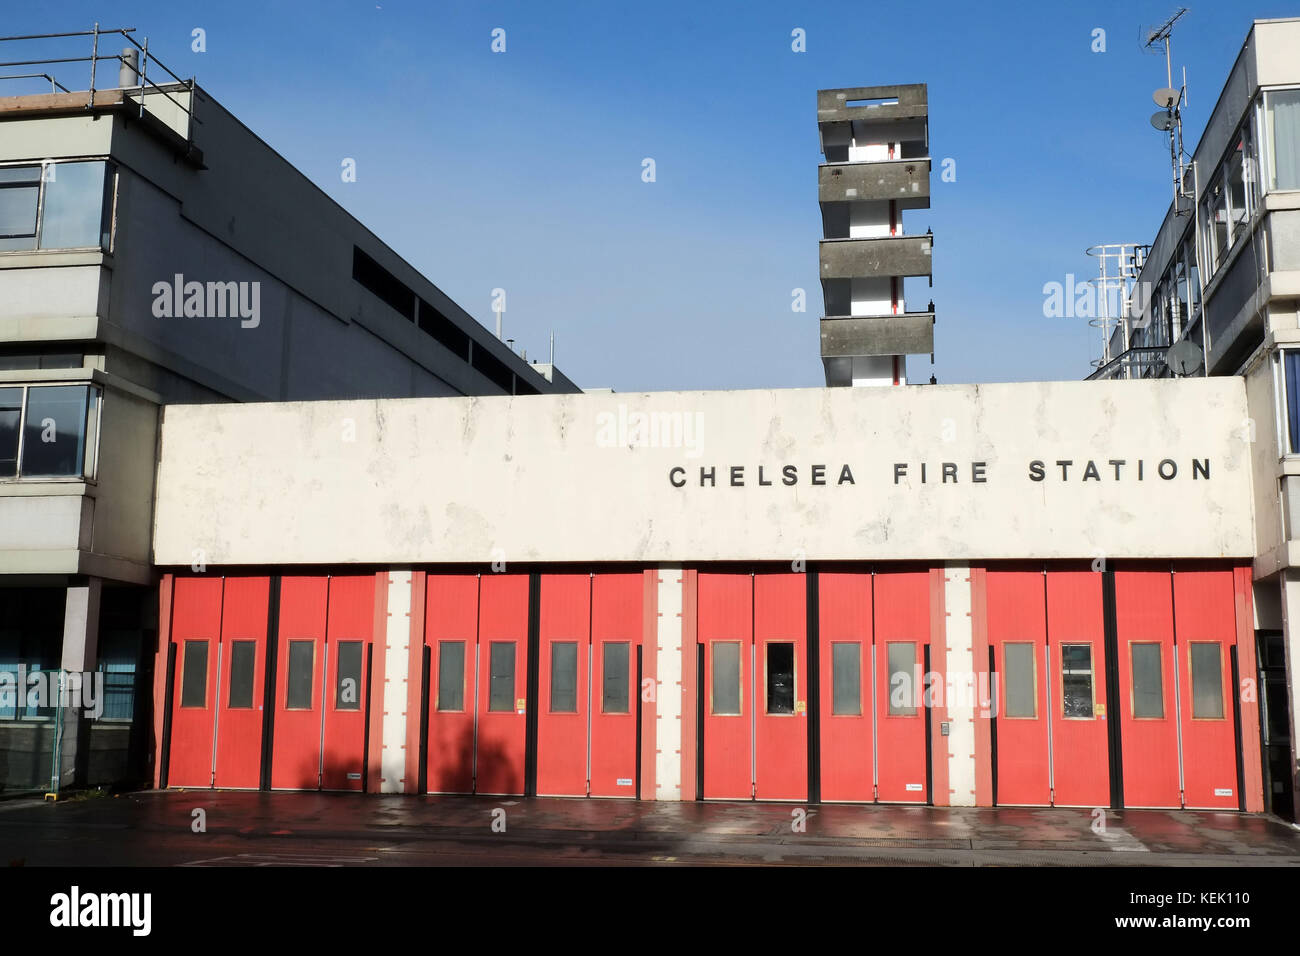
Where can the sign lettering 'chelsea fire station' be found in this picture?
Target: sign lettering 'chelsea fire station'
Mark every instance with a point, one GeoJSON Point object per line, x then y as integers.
{"type": "Point", "coordinates": [947, 472]}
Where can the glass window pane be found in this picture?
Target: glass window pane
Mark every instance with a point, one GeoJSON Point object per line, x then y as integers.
{"type": "Point", "coordinates": [1076, 680]}
{"type": "Point", "coordinates": [501, 668]}
{"type": "Point", "coordinates": [243, 661]}
{"type": "Point", "coordinates": [726, 677]}
{"type": "Point", "coordinates": [451, 675]}
{"type": "Point", "coordinates": [1148, 689]}
{"type": "Point", "coordinates": [19, 174]}
{"type": "Point", "coordinates": [1283, 122]}
{"type": "Point", "coordinates": [18, 205]}
{"type": "Point", "coordinates": [347, 689]}
{"type": "Point", "coordinates": [846, 680]}
{"type": "Point", "coordinates": [1291, 368]}
{"type": "Point", "coordinates": [302, 658]}
{"type": "Point", "coordinates": [194, 675]}
{"type": "Point", "coordinates": [73, 213]}
{"type": "Point", "coordinates": [1020, 680]}
{"type": "Point", "coordinates": [564, 677]}
{"type": "Point", "coordinates": [1207, 682]}
{"type": "Point", "coordinates": [614, 668]}
{"type": "Point", "coordinates": [54, 436]}
{"type": "Point", "coordinates": [11, 410]}
{"type": "Point", "coordinates": [118, 653]}
{"type": "Point", "coordinates": [780, 678]}
{"type": "Point", "coordinates": [901, 661]}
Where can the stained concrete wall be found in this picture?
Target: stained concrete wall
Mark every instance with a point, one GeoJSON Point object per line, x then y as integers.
{"type": "Point", "coordinates": [584, 478]}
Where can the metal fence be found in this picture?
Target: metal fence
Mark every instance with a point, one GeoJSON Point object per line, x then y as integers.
{"type": "Point", "coordinates": [133, 63]}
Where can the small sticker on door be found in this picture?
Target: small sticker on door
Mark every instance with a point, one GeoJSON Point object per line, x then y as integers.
{"type": "Point", "coordinates": [1223, 791]}
{"type": "Point", "coordinates": [520, 704]}
{"type": "Point", "coordinates": [915, 786]}
{"type": "Point", "coordinates": [354, 776]}
{"type": "Point", "coordinates": [624, 781]}
{"type": "Point", "coordinates": [800, 707]}
{"type": "Point", "coordinates": [1101, 710]}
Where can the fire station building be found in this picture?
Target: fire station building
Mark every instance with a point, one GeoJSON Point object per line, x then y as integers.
{"type": "Point", "coordinates": [952, 595]}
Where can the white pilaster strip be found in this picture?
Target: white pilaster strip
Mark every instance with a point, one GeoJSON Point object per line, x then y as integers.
{"type": "Point", "coordinates": [668, 692]}
{"type": "Point", "coordinates": [962, 687]}
{"type": "Point", "coordinates": [392, 760]}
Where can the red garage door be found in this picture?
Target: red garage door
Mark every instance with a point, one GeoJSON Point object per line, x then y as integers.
{"type": "Point", "coordinates": [847, 704]}
{"type": "Point", "coordinates": [1017, 630]}
{"type": "Point", "coordinates": [902, 632]}
{"type": "Point", "coordinates": [196, 632]}
{"type": "Point", "coordinates": [219, 629]}
{"type": "Point", "coordinates": [326, 630]}
{"type": "Point", "coordinates": [476, 627]}
{"type": "Point", "coordinates": [1176, 635]}
{"type": "Point", "coordinates": [1076, 663]}
{"type": "Point", "coordinates": [1205, 630]}
{"type": "Point", "coordinates": [752, 628]}
{"type": "Point", "coordinates": [589, 630]}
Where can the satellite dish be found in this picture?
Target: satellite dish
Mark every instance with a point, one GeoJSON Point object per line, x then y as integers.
{"type": "Point", "coordinates": [1184, 358]}
{"type": "Point", "coordinates": [1166, 98]}
{"type": "Point", "coordinates": [1162, 121]}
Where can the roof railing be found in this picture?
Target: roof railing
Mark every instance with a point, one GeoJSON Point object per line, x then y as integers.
{"type": "Point", "coordinates": [143, 87]}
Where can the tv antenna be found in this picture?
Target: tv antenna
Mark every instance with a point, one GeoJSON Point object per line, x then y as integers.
{"type": "Point", "coordinates": [1169, 118]}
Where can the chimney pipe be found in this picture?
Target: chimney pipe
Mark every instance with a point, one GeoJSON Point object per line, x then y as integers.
{"type": "Point", "coordinates": [128, 75]}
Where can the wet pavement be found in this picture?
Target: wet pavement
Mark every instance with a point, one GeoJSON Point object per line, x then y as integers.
{"type": "Point", "coordinates": [249, 829]}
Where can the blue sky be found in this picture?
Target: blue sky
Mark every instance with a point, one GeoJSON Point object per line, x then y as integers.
{"type": "Point", "coordinates": [522, 170]}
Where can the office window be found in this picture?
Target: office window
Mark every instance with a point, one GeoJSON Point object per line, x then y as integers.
{"type": "Point", "coordinates": [1193, 277]}
{"type": "Point", "coordinates": [1282, 119]}
{"type": "Point", "coordinates": [48, 431]}
{"type": "Point", "coordinates": [1291, 376]}
{"type": "Point", "coordinates": [75, 214]}
{"type": "Point", "coordinates": [20, 196]}
{"type": "Point", "coordinates": [11, 416]}
{"type": "Point", "coordinates": [38, 651]}
{"type": "Point", "coordinates": [1214, 226]}
{"type": "Point", "coordinates": [1235, 179]}
{"type": "Point", "coordinates": [55, 431]}
{"type": "Point", "coordinates": [56, 206]}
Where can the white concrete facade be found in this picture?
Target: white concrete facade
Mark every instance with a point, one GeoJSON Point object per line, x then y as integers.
{"type": "Point", "coordinates": [957, 473]}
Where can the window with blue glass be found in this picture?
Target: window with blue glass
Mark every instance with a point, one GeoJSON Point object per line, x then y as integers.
{"type": "Point", "coordinates": [48, 431]}
{"type": "Point", "coordinates": [67, 205]}
{"type": "Point", "coordinates": [1291, 372]}
{"type": "Point", "coordinates": [118, 654]}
